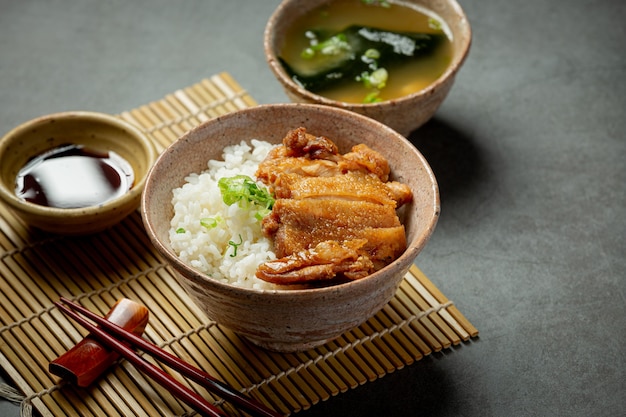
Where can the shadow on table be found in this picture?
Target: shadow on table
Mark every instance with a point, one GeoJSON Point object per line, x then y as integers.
{"type": "Point", "coordinates": [454, 157]}
{"type": "Point", "coordinates": [422, 389]}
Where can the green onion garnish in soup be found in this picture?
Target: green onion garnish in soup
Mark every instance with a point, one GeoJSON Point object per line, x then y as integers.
{"type": "Point", "coordinates": [365, 52]}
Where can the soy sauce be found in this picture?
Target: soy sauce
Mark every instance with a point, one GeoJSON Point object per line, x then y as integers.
{"type": "Point", "coordinates": [74, 176]}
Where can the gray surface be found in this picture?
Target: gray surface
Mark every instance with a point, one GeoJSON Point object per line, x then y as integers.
{"type": "Point", "coordinates": [529, 150]}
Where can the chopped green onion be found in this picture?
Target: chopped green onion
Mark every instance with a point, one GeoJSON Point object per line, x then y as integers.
{"type": "Point", "coordinates": [434, 23]}
{"type": "Point", "coordinates": [374, 81]}
{"type": "Point", "coordinates": [262, 212]}
{"type": "Point", "coordinates": [377, 79]}
{"type": "Point", "coordinates": [372, 97]}
{"type": "Point", "coordinates": [209, 222]}
{"type": "Point", "coordinates": [244, 191]}
{"type": "Point", "coordinates": [235, 246]}
{"type": "Point", "coordinates": [372, 53]}
{"type": "Point", "coordinates": [335, 45]}
{"type": "Point", "coordinates": [307, 53]}
{"type": "Point", "coordinates": [180, 230]}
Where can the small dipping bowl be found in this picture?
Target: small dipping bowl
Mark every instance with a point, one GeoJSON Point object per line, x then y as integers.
{"type": "Point", "coordinates": [404, 114]}
{"type": "Point", "coordinates": [291, 319]}
{"type": "Point", "coordinates": [97, 131]}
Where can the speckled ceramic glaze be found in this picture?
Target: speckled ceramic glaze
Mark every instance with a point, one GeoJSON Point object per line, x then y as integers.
{"type": "Point", "coordinates": [289, 320]}
{"type": "Point", "coordinates": [404, 114]}
{"type": "Point", "coordinates": [95, 130]}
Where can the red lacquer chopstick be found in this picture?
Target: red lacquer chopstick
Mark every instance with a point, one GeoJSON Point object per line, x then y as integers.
{"type": "Point", "coordinates": [106, 331]}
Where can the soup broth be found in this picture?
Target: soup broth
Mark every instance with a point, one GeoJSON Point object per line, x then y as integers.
{"type": "Point", "coordinates": [404, 77]}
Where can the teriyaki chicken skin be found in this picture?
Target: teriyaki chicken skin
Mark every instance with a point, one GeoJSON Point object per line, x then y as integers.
{"type": "Point", "coordinates": [335, 216]}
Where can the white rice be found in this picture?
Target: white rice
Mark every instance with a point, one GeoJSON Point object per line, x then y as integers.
{"type": "Point", "coordinates": [208, 249]}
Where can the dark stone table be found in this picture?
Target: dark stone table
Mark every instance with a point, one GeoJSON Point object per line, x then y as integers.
{"type": "Point", "coordinates": [529, 150]}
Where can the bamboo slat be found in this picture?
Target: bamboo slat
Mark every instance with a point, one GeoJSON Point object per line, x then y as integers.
{"type": "Point", "coordinates": [36, 269]}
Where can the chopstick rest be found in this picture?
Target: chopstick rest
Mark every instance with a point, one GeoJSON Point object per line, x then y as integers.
{"type": "Point", "coordinates": [88, 359]}
{"type": "Point", "coordinates": [122, 340]}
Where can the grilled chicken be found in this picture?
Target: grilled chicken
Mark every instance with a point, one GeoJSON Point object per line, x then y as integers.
{"type": "Point", "coordinates": [317, 156]}
{"type": "Point", "coordinates": [323, 262]}
{"type": "Point", "coordinates": [334, 215]}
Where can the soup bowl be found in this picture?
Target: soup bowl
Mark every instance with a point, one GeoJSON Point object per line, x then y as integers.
{"type": "Point", "coordinates": [97, 131]}
{"type": "Point", "coordinates": [404, 114]}
{"type": "Point", "coordinates": [290, 319]}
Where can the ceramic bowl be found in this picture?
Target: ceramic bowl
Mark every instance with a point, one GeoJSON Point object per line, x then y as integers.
{"type": "Point", "coordinates": [93, 130]}
{"type": "Point", "coordinates": [404, 114]}
{"type": "Point", "coordinates": [291, 319]}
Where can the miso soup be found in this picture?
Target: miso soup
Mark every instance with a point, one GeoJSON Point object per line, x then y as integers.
{"type": "Point", "coordinates": [329, 30]}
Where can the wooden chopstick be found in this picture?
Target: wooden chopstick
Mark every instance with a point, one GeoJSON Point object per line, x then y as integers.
{"type": "Point", "coordinates": [105, 332]}
{"type": "Point", "coordinates": [160, 376]}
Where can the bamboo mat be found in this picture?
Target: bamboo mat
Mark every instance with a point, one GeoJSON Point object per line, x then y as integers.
{"type": "Point", "coordinates": [36, 269]}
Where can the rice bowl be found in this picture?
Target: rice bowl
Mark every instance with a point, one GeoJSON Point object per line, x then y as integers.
{"type": "Point", "coordinates": [289, 319]}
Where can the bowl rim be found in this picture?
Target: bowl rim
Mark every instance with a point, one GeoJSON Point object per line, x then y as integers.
{"type": "Point", "coordinates": [403, 261]}
{"type": "Point", "coordinates": [150, 153]}
{"type": "Point", "coordinates": [271, 57]}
